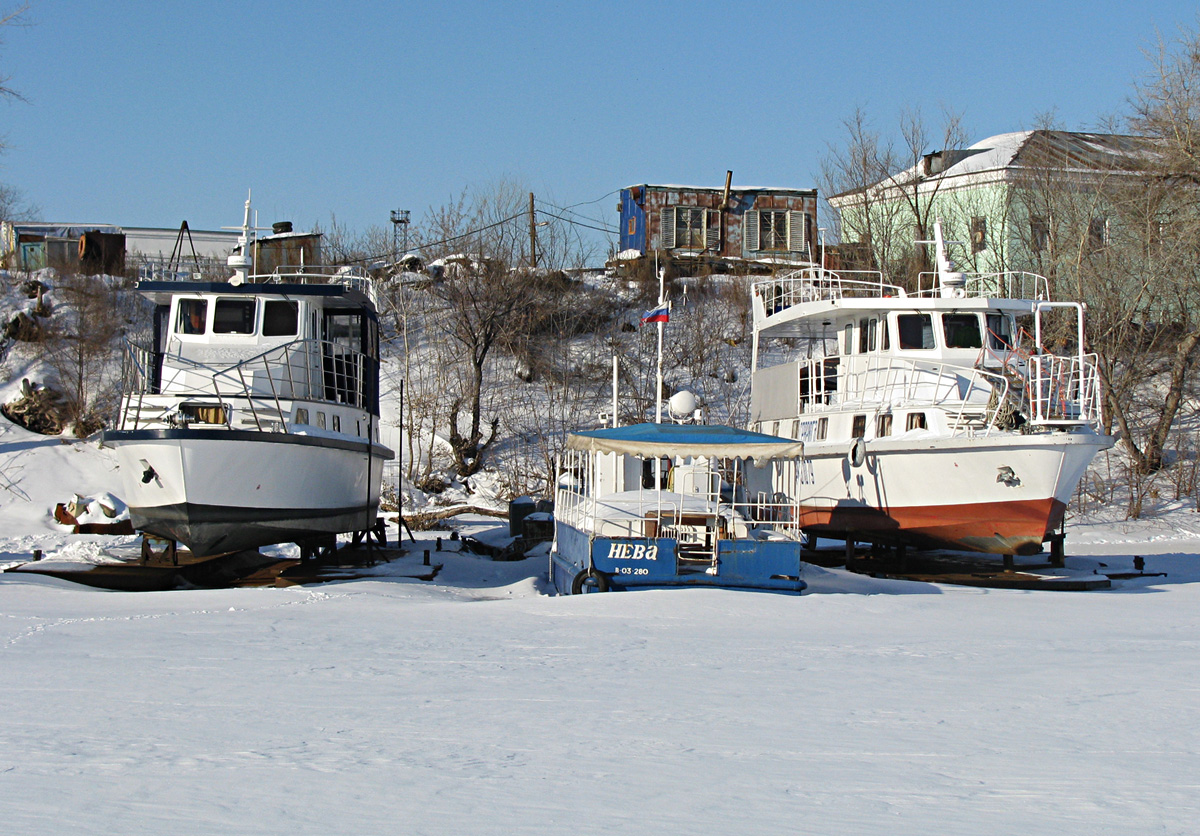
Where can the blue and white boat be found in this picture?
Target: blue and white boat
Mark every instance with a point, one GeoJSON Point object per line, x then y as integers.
{"type": "Point", "coordinates": [676, 505]}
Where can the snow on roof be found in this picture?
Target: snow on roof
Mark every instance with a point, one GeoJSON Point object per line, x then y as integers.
{"type": "Point", "coordinates": [686, 188]}
{"type": "Point", "coordinates": [1065, 150]}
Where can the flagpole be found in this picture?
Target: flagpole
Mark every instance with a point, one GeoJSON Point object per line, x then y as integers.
{"type": "Point", "coordinates": [659, 387]}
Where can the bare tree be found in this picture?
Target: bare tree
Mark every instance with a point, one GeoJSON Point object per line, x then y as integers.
{"type": "Point", "coordinates": [890, 187]}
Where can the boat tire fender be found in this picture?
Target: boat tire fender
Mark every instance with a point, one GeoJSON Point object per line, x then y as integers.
{"type": "Point", "coordinates": [592, 580]}
{"type": "Point", "coordinates": [858, 452]}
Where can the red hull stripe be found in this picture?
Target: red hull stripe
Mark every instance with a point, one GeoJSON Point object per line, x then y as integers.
{"type": "Point", "coordinates": [1017, 527]}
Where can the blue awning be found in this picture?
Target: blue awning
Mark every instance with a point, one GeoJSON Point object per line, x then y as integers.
{"type": "Point", "coordinates": [686, 440]}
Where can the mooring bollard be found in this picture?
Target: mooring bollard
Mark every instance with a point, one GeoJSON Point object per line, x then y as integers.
{"type": "Point", "coordinates": [427, 557]}
{"type": "Point", "coordinates": [439, 544]}
{"type": "Point", "coordinates": [37, 554]}
{"type": "Point", "coordinates": [453, 535]}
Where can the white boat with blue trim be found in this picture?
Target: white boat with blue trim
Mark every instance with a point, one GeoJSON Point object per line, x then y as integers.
{"type": "Point", "coordinates": [251, 417]}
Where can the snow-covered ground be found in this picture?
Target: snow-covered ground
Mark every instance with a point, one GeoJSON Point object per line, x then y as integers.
{"type": "Point", "coordinates": [477, 704]}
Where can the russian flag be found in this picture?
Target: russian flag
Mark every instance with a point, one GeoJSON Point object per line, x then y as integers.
{"type": "Point", "coordinates": [660, 314]}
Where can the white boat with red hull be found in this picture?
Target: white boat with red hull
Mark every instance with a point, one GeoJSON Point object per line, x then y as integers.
{"type": "Point", "coordinates": [937, 418]}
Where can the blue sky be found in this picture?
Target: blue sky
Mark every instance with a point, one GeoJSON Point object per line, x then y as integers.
{"type": "Point", "coordinates": [149, 113]}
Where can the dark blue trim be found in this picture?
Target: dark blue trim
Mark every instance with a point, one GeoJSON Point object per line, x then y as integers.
{"type": "Point", "coordinates": [127, 436]}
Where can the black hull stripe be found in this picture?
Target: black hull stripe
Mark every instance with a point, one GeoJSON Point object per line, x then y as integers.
{"type": "Point", "coordinates": [214, 529]}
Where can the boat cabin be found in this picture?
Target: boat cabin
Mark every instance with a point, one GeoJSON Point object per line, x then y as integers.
{"type": "Point", "coordinates": [286, 357]}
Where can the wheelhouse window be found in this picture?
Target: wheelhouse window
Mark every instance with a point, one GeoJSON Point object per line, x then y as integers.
{"type": "Point", "coordinates": [280, 318]}
{"type": "Point", "coordinates": [999, 334]}
{"type": "Point", "coordinates": [867, 334]}
{"type": "Point", "coordinates": [962, 330]}
{"type": "Point", "coordinates": [915, 331]}
{"type": "Point", "coordinates": [859, 428]}
{"type": "Point", "coordinates": [301, 415]}
{"type": "Point", "coordinates": [193, 314]}
{"type": "Point", "coordinates": [916, 421]}
{"type": "Point", "coordinates": [234, 316]}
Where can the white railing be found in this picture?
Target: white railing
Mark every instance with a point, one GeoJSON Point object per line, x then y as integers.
{"type": "Point", "coordinates": [970, 397]}
{"type": "Point", "coordinates": [308, 369]}
{"type": "Point", "coordinates": [708, 509]}
{"type": "Point", "coordinates": [814, 284]}
{"type": "Point", "coordinates": [1011, 284]}
{"type": "Point", "coordinates": [1063, 390]}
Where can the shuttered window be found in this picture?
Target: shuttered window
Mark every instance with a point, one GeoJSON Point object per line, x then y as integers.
{"type": "Point", "coordinates": [690, 228]}
{"type": "Point", "coordinates": [775, 230]}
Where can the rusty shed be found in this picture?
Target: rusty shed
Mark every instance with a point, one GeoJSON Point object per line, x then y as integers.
{"type": "Point", "coordinates": [286, 249]}
{"type": "Point", "coordinates": [751, 225]}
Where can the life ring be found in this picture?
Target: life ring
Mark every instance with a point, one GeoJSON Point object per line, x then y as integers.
{"type": "Point", "coordinates": [858, 452]}
{"type": "Point", "coordinates": [589, 580]}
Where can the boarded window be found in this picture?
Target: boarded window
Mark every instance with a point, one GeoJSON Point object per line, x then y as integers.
{"type": "Point", "coordinates": [234, 316]}
{"type": "Point", "coordinates": [280, 318]}
{"type": "Point", "coordinates": [689, 228]}
{"type": "Point", "coordinates": [772, 230]}
{"type": "Point", "coordinates": [915, 331]}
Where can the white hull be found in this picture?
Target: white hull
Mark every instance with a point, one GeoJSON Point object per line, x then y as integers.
{"type": "Point", "coordinates": [218, 490]}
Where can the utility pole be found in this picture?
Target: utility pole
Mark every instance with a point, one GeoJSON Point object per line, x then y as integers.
{"type": "Point", "coordinates": [532, 234]}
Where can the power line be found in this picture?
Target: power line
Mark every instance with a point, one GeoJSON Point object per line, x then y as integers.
{"type": "Point", "coordinates": [610, 230]}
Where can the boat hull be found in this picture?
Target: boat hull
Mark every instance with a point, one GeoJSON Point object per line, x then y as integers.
{"type": "Point", "coordinates": [217, 491]}
{"type": "Point", "coordinates": [997, 494]}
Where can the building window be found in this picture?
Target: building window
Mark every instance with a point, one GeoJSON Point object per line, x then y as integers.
{"type": "Point", "coordinates": [1039, 234]}
{"type": "Point", "coordinates": [775, 230]}
{"type": "Point", "coordinates": [1097, 234]}
{"type": "Point", "coordinates": [978, 234]}
{"type": "Point", "coordinates": [772, 231]}
{"type": "Point", "coordinates": [632, 226]}
{"type": "Point", "coordinates": [689, 228]}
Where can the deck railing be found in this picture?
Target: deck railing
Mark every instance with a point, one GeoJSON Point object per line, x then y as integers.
{"type": "Point", "coordinates": [309, 369]}
{"type": "Point", "coordinates": [816, 284]}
